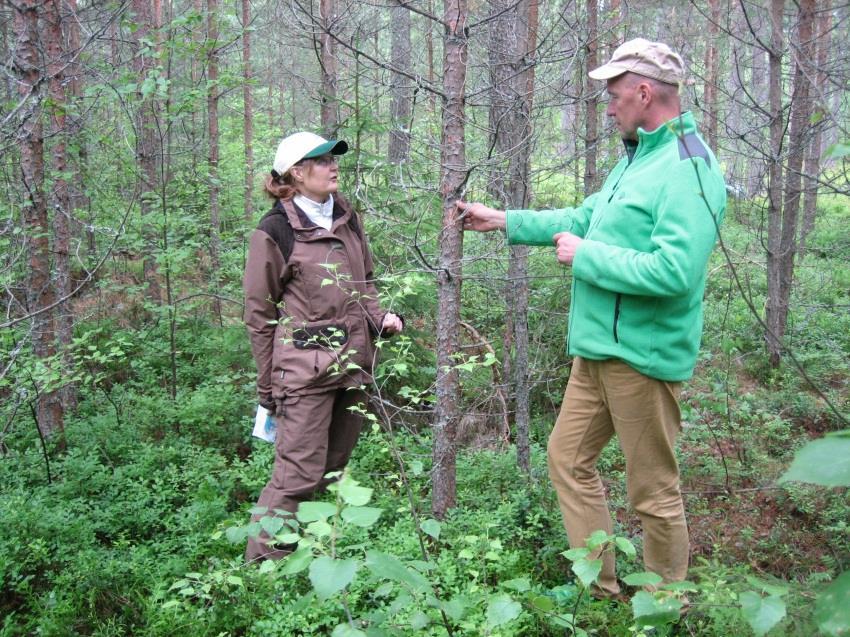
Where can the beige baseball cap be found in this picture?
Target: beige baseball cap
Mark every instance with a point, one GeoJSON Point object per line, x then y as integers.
{"type": "Point", "coordinates": [303, 145]}
{"type": "Point", "coordinates": [650, 59]}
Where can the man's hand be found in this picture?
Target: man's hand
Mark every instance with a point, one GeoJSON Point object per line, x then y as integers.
{"type": "Point", "coordinates": [392, 324]}
{"type": "Point", "coordinates": [480, 218]}
{"type": "Point", "coordinates": [566, 245]}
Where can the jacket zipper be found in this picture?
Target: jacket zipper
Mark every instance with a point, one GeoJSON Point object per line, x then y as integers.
{"type": "Point", "coordinates": [617, 317]}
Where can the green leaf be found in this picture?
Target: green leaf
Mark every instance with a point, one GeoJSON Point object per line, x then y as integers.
{"type": "Point", "coordinates": [267, 566]}
{"type": "Point", "coordinates": [576, 553]}
{"type": "Point", "coordinates": [543, 603]}
{"type": "Point", "coordinates": [271, 525]}
{"type": "Point", "coordinates": [761, 613]}
{"type": "Point", "coordinates": [432, 528]}
{"type": "Point", "coordinates": [233, 579]}
{"type": "Point", "coordinates": [587, 570]}
{"type": "Point", "coordinates": [502, 609]}
{"type": "Point", "coordinates": [416, 467]}
{"type": "Point", "coordinates": [353, 494]}
{"type": "Point", "coordinates": [625, 545]}
{"type": "Point", "coordinates": [832, 609]}
{"type": "Point", "coordinates": [329, 576]}
{"type": "Point", "coordinates": [419, 620]}
{"type": "Point", "coordinates": [319, 528]}
{"type": "Point", "coordinates": [837, 151]}
{"type": "Point", "coordinates": [347, 630]}
{"type": "Point", "coordinates": [456, 607]}
{"type": "Point", "coordinates": [767, 587]}
{"type": "Point", "coordinates": [312, 511]}
{"type": "Point", "coordinates": [361, 516]}
{"type": "Point", "coordinates": [650, 610]}
{"type": "Point", "coordinates": [597, 539]}
{"type": "Point", "coordinates": [389, 567]}
{"type": "Point", "coordinates": [644, 578]}
{"type": "Point", "coordinates": [297, 562]}
{"type": "Point", "coordinates": [521, 584]}
{"type": "Point", "coordinates": [825, 461]}
{"type": "Point", "coordinates": [236, 534]}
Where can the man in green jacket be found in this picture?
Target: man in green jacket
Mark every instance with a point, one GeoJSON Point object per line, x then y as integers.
{"type": "Point", "coordinates": [638, 249]}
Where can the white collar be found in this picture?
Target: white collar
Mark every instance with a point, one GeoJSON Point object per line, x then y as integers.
{"type": "Point", "coordinates": [319, 213]}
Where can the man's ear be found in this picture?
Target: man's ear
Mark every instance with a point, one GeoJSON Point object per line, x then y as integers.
{"type": "Point", "coordinates": [644, 92]}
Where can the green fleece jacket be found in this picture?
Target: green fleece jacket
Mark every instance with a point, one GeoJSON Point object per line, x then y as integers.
{"type": "Point", "coordinates": [639, 273]}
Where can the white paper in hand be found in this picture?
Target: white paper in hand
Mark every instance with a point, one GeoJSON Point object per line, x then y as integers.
{"type": "Point", "coordinates": [264, 427]}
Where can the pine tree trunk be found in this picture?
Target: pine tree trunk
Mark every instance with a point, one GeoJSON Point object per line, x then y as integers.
{"type": "Point", "coordinates": [801, 112]}
{"type": "Point", "coordinates": [452, 163]}
{"type": "Point", "coordinates": [248, 103]}
{"type": "Point", "coordinates": [60, 197]}
{"type": "Point", "coordinates": [146, 146]}
{"type": "Point", "coordinates": [330, 121]}
{"type": "Point", "coordinates": [399, 145]}
{"type": "Point", "coordinates": [591, 131]}
{"type": "Point", "coordinates": [39, 287]}
{"type": "Point", "coordinates": [518, 266]}
{"type": "Point", "coordinates": [212, 126]}
{"type": "Point", "coordinates": [774, 314]}
{"type": "Point", "coordinates": [811, 169]}
{"type": "Point", "coordinates": [711, 73]}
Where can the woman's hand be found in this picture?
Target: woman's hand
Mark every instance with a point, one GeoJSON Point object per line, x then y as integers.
{"type": "Point", "coordinates": [392, 324]}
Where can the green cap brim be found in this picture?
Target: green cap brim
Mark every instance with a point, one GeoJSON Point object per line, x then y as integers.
{"type": "Point", "coordinates": [333, 147]}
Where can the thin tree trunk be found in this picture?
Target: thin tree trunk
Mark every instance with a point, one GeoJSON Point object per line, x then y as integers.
{"type": "Point", "coordinates": [518, 265]}
{"type": "Point", "coordinates": [39, 288]}
{"type": "Point", "coordinates": [505, 114]}
{"type": "Point", "coordinates": [452, 163]}
{"type": "Point", "coordinates": [801, 112]}
{"type": "Point", "coordinates": [591, 131]}
{"type": "Point", "coordinates": [773, 313]}
{"type": "Point", "coordinates": [212, 121]}
{"type": "Point", "coordinates": [811, 168]}
{"type": "Point", "coordinates": [248, 104]}
{"type": "Point", "coordinates": [60, 197]}
{"type": "Point", "coordinates": [711, 72]}
{"type": "Point", "coordinates": [146, 145]}
{"type": "Point", "coordinates": [330, 121]}
{"type": "Point", "coordinates": [399, 145]}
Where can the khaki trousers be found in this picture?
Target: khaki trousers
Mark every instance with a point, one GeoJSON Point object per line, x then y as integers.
{"type": "Point", "coordinates": [604, 398]}
{"type": "Point", "coordinates": [315, 435]}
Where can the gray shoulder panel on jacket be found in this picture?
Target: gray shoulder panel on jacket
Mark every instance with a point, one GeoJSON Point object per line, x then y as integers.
{"type": "Point", "coordinates": [692, 146]}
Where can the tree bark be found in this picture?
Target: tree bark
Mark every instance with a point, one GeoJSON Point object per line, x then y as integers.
{"type": "Point", "coordinates": [146, 145]}
{"type": "Point", "coordinates": [60, 197]}
{"type": "Point", "coordinates": [39, 287]}
{"type": "Point", "coordinates": [452, 177]}
{"type": "Point", "coordinates": [212, 125]}
{"type": "Point", "coordinates": [329, 117]}
{"type": "Point", "coordinates": [518, 265]}
{"type": "Point", "coordinates": [248, 105]}
{"type": "Point", "coordinates": [773, 314]}
{"type": "Point", "coordinates": [711, 72]}
{"type": "Point", "coordinates": [591, 130]}
{"type": "Point", "coordinates": [801, 113]}
{"type": "Point", "coordinates": [811, 168]}
{"type": "Point", "coordinates": [399, 145]}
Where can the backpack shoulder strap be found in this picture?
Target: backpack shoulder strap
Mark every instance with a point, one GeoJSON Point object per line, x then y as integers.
{"type": "Point", "coordinates": [275, 223]}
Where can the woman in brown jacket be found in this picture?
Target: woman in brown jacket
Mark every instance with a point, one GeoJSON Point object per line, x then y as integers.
{"type": "Point", "coordinates": [312, 314]}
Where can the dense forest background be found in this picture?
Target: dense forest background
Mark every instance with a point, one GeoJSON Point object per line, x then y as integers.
{"type": "Point", "coordinates": [134, 139]}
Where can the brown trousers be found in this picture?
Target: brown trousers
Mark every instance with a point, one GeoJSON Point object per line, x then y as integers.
{"type": "Point", "coordinates": [316, 434]}
{"type": "Point", "coordinates": [604, 398]}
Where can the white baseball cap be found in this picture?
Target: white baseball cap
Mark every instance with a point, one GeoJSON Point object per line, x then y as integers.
{"type": "Point", "coordinates": [304, 145]}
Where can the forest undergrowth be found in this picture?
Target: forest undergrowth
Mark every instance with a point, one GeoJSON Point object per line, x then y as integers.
{"type": "Point", "coordinates": [137, 527]}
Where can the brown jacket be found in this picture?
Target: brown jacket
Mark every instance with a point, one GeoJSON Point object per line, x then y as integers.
{"type": "Point", "coordinates": [312, 314]}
